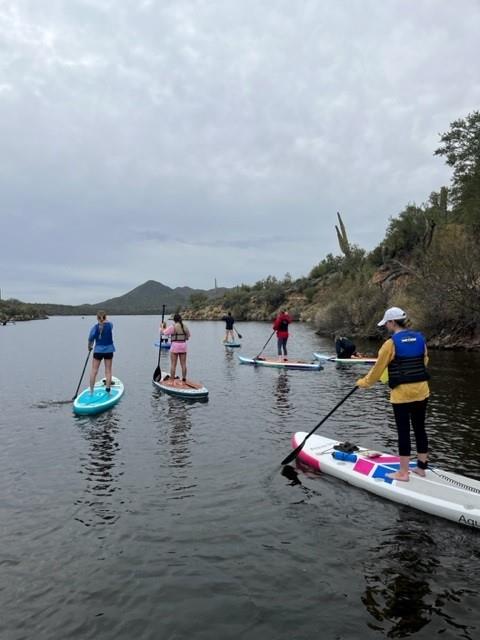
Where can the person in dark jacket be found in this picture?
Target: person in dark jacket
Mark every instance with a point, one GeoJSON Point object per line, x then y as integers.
{"type": "Point", "coordinates": [229, 322]}
{"type": "Point", "coordinates": [344, 347]}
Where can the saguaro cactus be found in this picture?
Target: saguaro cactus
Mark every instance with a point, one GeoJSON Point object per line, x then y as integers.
{"type": "Point", "coordinates": [443, 204]}
{"type": "Point", "coordinates": [342, 236]}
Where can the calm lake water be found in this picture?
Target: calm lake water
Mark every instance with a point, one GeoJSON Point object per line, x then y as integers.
{"type": "Point", "coordinates": [166, 520]}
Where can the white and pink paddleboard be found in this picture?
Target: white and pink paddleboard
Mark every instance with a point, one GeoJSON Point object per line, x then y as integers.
{"type": "Point", "coordinates": [177, 387]}
{"type": "Point", "coordinates": [440, 493]}
{"type": "Point", "coordinates": [283, 364]}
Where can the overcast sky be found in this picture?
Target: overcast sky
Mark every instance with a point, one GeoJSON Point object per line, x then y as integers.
{"type": "Point", "coordinates": [187, 140]}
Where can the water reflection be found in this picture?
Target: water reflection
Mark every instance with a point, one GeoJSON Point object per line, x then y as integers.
{"type": "Point", "coordinates": [230, 365]}
{"type": "Point", "coordinates": [180, 426]}
{"type": "Point", "coordinates": [99, 469]}
{"type": "Point", "coordinates": [453, 410]}
{"type": "Point", "coordinates": [281, 394]}
{"type": "Point", "coordinates": [176, 438]}
{"type": "Point", "coordinates": [402, 591]}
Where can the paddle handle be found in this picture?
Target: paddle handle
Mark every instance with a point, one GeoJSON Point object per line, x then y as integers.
{"type": "Point", "coordinates": [291, 456]}
{"type": "Point", "coordinates": [263, 348]}
{"type": "Point", "coordinates": [158, 371]}
{"type": "Point", "coordinates": [160, 349]}
{"type": "Point", "coordinates": [81, 377]}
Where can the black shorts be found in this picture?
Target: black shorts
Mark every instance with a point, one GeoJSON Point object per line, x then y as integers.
{"type": "Point", "coordinates": [101, 356]}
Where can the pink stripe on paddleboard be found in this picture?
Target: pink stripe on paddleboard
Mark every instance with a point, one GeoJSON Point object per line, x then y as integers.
{"type": "Point", "coordinates": [363, 466]}
{"type": "Point", "coordinates": [306, 457]}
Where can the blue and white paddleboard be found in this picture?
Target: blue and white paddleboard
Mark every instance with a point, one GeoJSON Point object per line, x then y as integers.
{"type": "Point", "coordinates": [233, 345]}
{"type": "Point", "coordinates": [88, 404]}
{"type": "Point", "coordinates": [353, 360]}
{"type": "Point", "coordinates": [284, 364]}
{"type": "Point", "coordinates": [163, 345]}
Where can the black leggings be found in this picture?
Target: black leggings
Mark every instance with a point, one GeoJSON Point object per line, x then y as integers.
{"type": "Point", "coordinates": [282, 344]}
{"type": "Point", "coordinates": [413, 412]}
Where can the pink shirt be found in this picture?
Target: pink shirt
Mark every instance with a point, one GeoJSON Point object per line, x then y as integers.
{"type": "Point", "coordinates": [176, 347]}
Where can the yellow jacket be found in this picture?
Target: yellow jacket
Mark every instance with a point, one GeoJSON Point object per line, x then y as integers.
{"type": "Point", "coordinates": [411, 392]}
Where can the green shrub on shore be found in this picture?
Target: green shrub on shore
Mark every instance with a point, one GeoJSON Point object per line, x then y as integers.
{"type": "Point", "coordinates": [12, 310]}
{"type": "Point", "coordinates": [428, 262]}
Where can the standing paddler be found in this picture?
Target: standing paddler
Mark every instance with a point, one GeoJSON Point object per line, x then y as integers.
{"type": "Point", "coordinates": [404, 354]}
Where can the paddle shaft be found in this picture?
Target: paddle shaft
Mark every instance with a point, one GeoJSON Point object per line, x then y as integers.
{"type": "Point", "coordinates": [81, 377]}
{"type": "Point", "coordinates": [263, 348]}
{"type": "Point", "coordinates": [158, 370]}
{"type": "Point", "coordinates": [238, 334]}
{"type": "Point", "coordinates": [291, 456]}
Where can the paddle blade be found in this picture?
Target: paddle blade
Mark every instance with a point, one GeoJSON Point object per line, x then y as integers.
{"type": "Point", "coordinates": [291, 474]}
{"type": "Point", "coordinates": [157, 373]}
{"type": "Point", "coordinates": [239, 335]}
{"type": "Point", "coordinates": [291, 456]}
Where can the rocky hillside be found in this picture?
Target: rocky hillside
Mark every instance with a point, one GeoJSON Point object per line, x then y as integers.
{"type": "Point", "coordinates": [428, 263]}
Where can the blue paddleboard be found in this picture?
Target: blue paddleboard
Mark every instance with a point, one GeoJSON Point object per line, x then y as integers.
{"type": "Point", "coordinates": [88, 404]}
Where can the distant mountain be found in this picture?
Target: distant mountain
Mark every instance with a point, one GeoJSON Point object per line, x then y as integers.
{"type": "Point", "coordinates": [147, 298]}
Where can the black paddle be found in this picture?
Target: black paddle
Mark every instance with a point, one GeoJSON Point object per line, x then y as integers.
{"type": "Point", "coordinates": [158, 371]}
{"type": "Point", "coordinates": [238, 334]}
{"type": "Point", "coordinates": [263, 348]}
{"type": "Point", "coordinates": [81, 377]}
{"type": "Point", "coordinates": [291, 456]}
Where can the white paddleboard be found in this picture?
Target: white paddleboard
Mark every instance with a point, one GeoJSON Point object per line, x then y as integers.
{"type": "Point", "coordinates": [287, 364]}
{"type": "Point", "coordinates": [176, 387]}
{"type": "Point", "coordinates": [327, 358]}
{"type": "Point", "coordinates": [440, 493]}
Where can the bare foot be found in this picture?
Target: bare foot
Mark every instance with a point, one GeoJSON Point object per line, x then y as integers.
{"type": "Point", "coordinates": [398, 475]}
{"type": "Point", "coordinates": [419, 472]}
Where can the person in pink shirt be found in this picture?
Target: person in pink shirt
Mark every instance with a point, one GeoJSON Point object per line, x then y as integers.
{"type": "Point", "coordinates": [179, 334]}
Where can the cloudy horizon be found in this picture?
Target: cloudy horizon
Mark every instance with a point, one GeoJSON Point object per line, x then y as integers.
{"type": "Point", "coordinates": [192, 140]}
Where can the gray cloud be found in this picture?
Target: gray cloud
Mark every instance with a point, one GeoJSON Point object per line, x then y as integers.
{"type": "Point", "coordinates": [188, 140]}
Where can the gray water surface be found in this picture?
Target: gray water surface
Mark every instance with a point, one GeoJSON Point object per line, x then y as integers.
{"type": "Point", "coordinates": [167, 520]}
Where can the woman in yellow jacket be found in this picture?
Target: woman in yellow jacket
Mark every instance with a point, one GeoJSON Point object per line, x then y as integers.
{"type": "Point", "coordinates": [404, 354]}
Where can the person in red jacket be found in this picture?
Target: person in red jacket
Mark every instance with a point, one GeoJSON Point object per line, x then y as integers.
{"type": "Point", "coordinates": [280, 325]}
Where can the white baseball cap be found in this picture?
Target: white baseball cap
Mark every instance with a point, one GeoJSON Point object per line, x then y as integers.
{"type": "Point", "coordinates": [394, 313]}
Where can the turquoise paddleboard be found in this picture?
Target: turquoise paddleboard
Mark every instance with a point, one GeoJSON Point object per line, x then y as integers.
{"type": "Point", "coordinates": [88, 404]}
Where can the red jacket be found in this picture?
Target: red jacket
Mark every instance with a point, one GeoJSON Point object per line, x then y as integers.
{"type": "Point", "coordinates": [276, 325]}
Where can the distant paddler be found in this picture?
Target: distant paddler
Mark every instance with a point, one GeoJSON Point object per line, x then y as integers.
{"type": "Point", "coordinates": [344, 347]}
{"type": "Point", "coordinates": [280, 325]}
{"type": "Point", "coordinates": [229, 322]}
